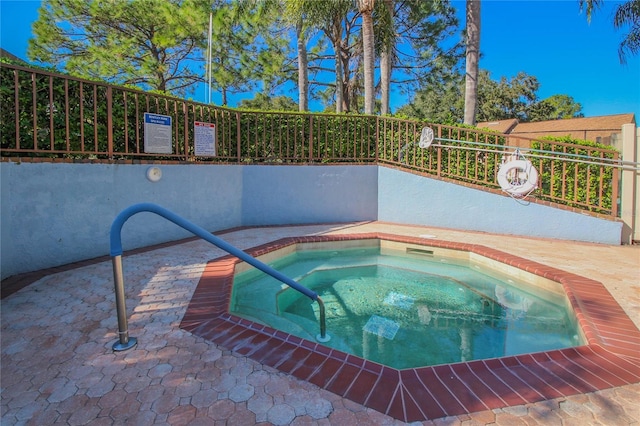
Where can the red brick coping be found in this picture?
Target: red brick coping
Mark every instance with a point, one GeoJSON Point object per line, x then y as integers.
{"type": "Point", "coordinates": [610, 358]}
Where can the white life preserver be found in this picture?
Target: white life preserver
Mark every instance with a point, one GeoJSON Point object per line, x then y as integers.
{"type": "Point", "coordinates": [426, 137]}
{"type": "Point", "coordinates": [518, 177]}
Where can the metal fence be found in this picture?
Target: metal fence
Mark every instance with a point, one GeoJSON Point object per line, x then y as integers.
{"type": "Point", "coordinates": [44, 114]}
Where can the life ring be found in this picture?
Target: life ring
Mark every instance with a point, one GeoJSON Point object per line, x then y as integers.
{"type": "Point", "coordinates": [518, 177]}
{"type": "Point", "coordinates": [426, 137]}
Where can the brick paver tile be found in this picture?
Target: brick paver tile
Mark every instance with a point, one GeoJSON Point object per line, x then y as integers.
{"type": "Point", "coordinates": [222, 409]}
{"type": "Point", "coordinates": [281, 414]}
{"type": "Point", "coordinates": [318, 408]}
{"type": "Point", "coordinates": [241, 416]}
{"type": "Point", "coordinates": [182, 415]}
{"type": "Point", "coordinates": [241, 392]}
{"type": "Point", "coordinates": [165, 403]}
{"type": "Point", "coordinates": [84, 415]}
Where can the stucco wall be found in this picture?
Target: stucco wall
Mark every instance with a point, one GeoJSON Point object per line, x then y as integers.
{"type": "Point", "coordinates": [433, 202]}
{"type": "Point", "coordinates": [275, 195]}
{"type": "Point", "coordinates": [57, 213]}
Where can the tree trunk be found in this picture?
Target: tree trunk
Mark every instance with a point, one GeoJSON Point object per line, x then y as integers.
{"type": "Point", "coordinates": [366, 9]}
{"type": "Point", "coordinates": [385, 67]}
{"type": "Point", "coordinates": [473, 54]}
{"type": "Point", "coordinates": [303, 70]}
{"type": "Point", "coordinates": [347, 82]}
{"type": "Point", "coordinates": [337, 39]}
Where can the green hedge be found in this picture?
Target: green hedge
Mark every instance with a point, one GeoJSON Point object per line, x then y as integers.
{"type": "Point", "coordinates": [582, 182]}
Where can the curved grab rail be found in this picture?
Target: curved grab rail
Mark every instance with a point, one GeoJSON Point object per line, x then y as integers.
{"type": "Point", "coordinates": [125, 342]}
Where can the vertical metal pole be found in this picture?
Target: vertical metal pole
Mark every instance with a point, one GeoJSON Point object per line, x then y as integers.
{"type": "Point", "coordinates": [34, 100]}
{"type": "Point", "coordinates": [187, 125]}
{"type": "Point", "coordinates": [323, 336]}
{"type": "Point", "coordinates": [378, 138]}
{"type": "Point", "coordinates": [311, 138]}
{"type": "Point", "coordinates": [110, 122]}
{"type": "Point", "coordinates": [238, 151]}
{"type": "Point", "coordinates": [16, 102]}
{"type": "Point", "coordinates": [625, 186]}
{"type": "Point", "coordinates": [124, 342]}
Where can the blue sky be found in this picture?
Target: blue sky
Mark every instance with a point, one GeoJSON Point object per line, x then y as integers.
{"type": "Point", "coordinates": [550, 40]}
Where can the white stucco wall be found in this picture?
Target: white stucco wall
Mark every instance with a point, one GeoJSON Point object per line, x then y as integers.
{"type": "Point", "coordinates": [436, 203]}
{"type": "Point", "coordinates": [57, 213]}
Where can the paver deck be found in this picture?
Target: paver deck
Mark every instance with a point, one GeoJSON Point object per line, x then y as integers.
{"type": "Point", "coordinates": [57, 366]}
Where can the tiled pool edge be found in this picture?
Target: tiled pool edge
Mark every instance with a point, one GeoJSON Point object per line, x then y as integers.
{"type": "Point", "coordinates": [611, 358]}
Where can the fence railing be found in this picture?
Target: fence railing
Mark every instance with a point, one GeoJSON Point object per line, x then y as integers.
{"type": "Point", "coordinates": [44, 114]}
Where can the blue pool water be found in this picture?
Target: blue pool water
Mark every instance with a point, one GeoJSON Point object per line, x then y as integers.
{"type": "Point", "coordinates": [404, 310]}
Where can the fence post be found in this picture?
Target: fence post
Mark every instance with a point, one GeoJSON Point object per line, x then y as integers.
{"type": "Point", "coordinates": [311, 138]}
{"type": "Point", "coordinates": [377, 138]}
{"type": "Point", "coordinates": [16, 103]}
{"type": "Point", "coordinates": [439, 156]}
{"type": "Point", "coordinates": [185, 111]}
{"type": "Point", "coordinates": [238, 151]}
{"type": "Point", "coordinates": [34, 100]}
{"type": "Point", "coordinates": [630, 186]}
{"type": "Point", "coordinates": [110, 122]}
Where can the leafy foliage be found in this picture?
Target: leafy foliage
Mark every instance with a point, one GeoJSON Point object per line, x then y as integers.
{"type": "Point", "coordinates": [157, 44]}
{"type": "Point", "coordinates": [264, 102]}
{"type": "Point", "coordinates": [626, 15]}
{"type": "Point", "coordinates": [572, 181]}
{"type": "Point", "coordinates": [419, 33]}
{"type": "Point", "coordinates": [497, 100]}
{"type": "Point", "coordinates": [556, 107]}
{"type": "Point", "coordinates": [142, 42]}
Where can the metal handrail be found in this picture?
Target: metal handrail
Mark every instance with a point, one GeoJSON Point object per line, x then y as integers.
{"type": "Point", "coordinates": [554, 155]}
{"type": "Point", "coordinates": [125, 342]}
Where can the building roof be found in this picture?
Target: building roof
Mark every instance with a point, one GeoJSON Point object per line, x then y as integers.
{"type": "Point", "coordinates": [502, 126]}
{"type": "Point", "coordinates": [600, 123]}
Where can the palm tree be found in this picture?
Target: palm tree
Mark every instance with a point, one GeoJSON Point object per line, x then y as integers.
{"type": "Point", "coordinates": [473, 55]}
{"type": "Point", "coordinates": [326, 16]}
{"type": "Point", "coordinates": [365, 7]}
{"type": "Point", "coordinates": [386, 57]}
{"type": "Point", "coordinates": [294, 15]}
{"type": "Point", "coordinates": [303, 68]}
{"type": "Point", "coordinates": [627, 13]}
{"type": "Point", "coordinates": [590, 6]}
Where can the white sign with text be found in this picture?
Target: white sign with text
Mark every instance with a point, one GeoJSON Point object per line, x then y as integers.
{"type": "Point", "coordinates": [204, 135]}
{"type": "Point", "coordinates": [157, 134]}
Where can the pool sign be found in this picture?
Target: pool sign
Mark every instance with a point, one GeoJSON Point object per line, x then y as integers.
{"type": "Point", "coordinates": [204, 135]}
{"type": "Point", "coordinates": [157, 134]}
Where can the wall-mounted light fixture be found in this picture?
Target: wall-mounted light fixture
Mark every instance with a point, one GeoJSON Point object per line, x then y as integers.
{"type": "Point", "coordinates": [154, 174]}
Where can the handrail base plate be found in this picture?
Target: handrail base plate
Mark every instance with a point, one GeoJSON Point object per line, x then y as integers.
{"type": "Point", "coordinates": [118, 346]}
